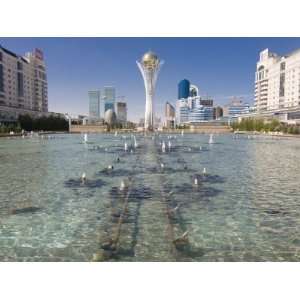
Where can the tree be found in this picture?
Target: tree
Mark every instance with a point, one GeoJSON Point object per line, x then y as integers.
{"type": "Point", "coordinates": [50, 123]}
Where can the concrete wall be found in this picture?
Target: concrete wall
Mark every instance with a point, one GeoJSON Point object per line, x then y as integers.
{"type": "Point", "coordinates": [202, 129]}
{"type": "Point", "coordinates": [88, 128]}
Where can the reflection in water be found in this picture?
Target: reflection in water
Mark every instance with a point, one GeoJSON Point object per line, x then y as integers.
{"type": "Point", "coordinates": [244, 208]}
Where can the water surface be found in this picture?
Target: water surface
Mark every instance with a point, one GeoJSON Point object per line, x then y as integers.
{"type": "Point", "coordinates": [246, 207]}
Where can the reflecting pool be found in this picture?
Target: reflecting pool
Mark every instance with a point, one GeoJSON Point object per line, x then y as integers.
{"type": "Point", "coordinates": [171, 198]}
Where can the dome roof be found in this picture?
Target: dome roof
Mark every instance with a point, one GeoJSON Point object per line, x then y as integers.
{"type": "Point", "coordinates": [110, 117]}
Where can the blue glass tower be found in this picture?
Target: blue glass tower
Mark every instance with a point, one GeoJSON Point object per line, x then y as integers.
{"type": "Point", "coordinates": [183, 89]}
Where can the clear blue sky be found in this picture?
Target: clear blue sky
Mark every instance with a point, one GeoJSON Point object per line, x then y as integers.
{"type": "Point", "coordinates": [220, 67]}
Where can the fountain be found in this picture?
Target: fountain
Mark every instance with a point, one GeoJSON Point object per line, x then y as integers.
{"type": "Point", "coordinates": [124, 185]}
{"type": "Point", "coordinates": [135, 143]}
{"type": "Point", "coordinates": [211, 141]}
{"type": "Point", "coordinates": [85, 138]}
{"type": "Point", "coordinates": [125, 147]}
{"type": "Point", "coordinates": [163, 147]}
{"type": "Point", "coordinates": [83, 178]}
{"type": "Point", "coordinates": [169, 145]}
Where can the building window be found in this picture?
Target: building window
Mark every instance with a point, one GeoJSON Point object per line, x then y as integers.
{"type": "Point", "coordinates": [282, 66]}
{"type": "Point", "coordinates": [1, 79]}
{"type": "Point", "coordinates": [20, 85]}
{"type": "Point", "coordinates": [0, 56]}
{"type": "Point", "coordinates": [19, 66]}
{"type": "Point", "coordinates": [281, 85]}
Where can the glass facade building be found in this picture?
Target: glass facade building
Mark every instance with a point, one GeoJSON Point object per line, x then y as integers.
{"type": "Point", "coordinates": [192, 110]}
{"type": "Point", "coordinates": [121, 112]}
{"type": "Point", "coordinates": [236, 107]}
{"type": "Point", "coordinates": [169, 115]}
{"type": "Point", "coordinates": [94, 104]}
{"type": "Point", "coordinates": [201, 113]}
{"type": "Point", "coordinates": [109, 98]}
{"type": "Point", "coordinates": [182, 111]}
{"type": "Point", "coordinates": [238, 110]}
{"type": "Point", "coordinates": [183, 89]}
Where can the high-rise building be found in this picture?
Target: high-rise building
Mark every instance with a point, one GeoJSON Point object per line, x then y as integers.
{"type": "Point", "coordinates": [169, 115]}
{"type": "Point", "coordinates": [149, 66]}
{"type": "Point", "coordinates": [94, 104]}
{"type": "Point", "coordinates": [183, 89]}
{"type": "Point", "coordinates": [277, 81]}
{"type": "Point", "coordinates": [109, 98]}
{"type": "Point", "coordinates": [121, 111]}
{"type": "Point", "coordinates": [23, 81]}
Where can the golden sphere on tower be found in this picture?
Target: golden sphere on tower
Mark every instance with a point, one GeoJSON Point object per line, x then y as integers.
{"type": "Point", "coordinates": [150, 59]}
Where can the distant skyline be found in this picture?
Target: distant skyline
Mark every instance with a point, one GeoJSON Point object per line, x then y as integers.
{"type": "Point", "coordinates": [220, 67]}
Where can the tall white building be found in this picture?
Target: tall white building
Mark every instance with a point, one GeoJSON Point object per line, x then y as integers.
{"type": "Point", "coordinates": [277, 81]}
{"type": "Point", "coordinates": [23, 81]}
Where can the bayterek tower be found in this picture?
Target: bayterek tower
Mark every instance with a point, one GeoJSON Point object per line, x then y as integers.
{"type": "Point", "coordinates": [149, 66]}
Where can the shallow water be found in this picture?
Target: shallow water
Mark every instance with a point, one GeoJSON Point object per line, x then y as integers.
{"type": "Point", "coordinates": [246, 208]}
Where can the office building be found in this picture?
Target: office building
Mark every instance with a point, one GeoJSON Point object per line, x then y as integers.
{"type": "Point", "coordinates": [217, 112]}
{"type": "Point", "coordinates": [197, 101]}
{"type": "Point", "coordinates": [23, 82]}
{"type": "Point", "coordinates": [191, 107]}
{"type": "Point", "coordinates": [206, 101]}
{"type": "Point", "coordinates": [94, 104]}
{"type": "Point", "coordinates": [200, 113]}
{"type": "Point", "coordinates": [191, 110]}
{"type": "Point", "coordinates": [182, 111]}
{"type": "Point", "coordinates": [235, 108]}
{"type": "Point", "coordinates": [121, 112]}
{"type": "Point", "coordinates": [109, 98]}
{"type": "Point", "coordinates": [277, 81]}
{"type": "Point", "coordinates": [169, 115]}
{"type": "Point", "coordinates": [194, 91]}
{"type": "Point", "coordinates": [183, 89]}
